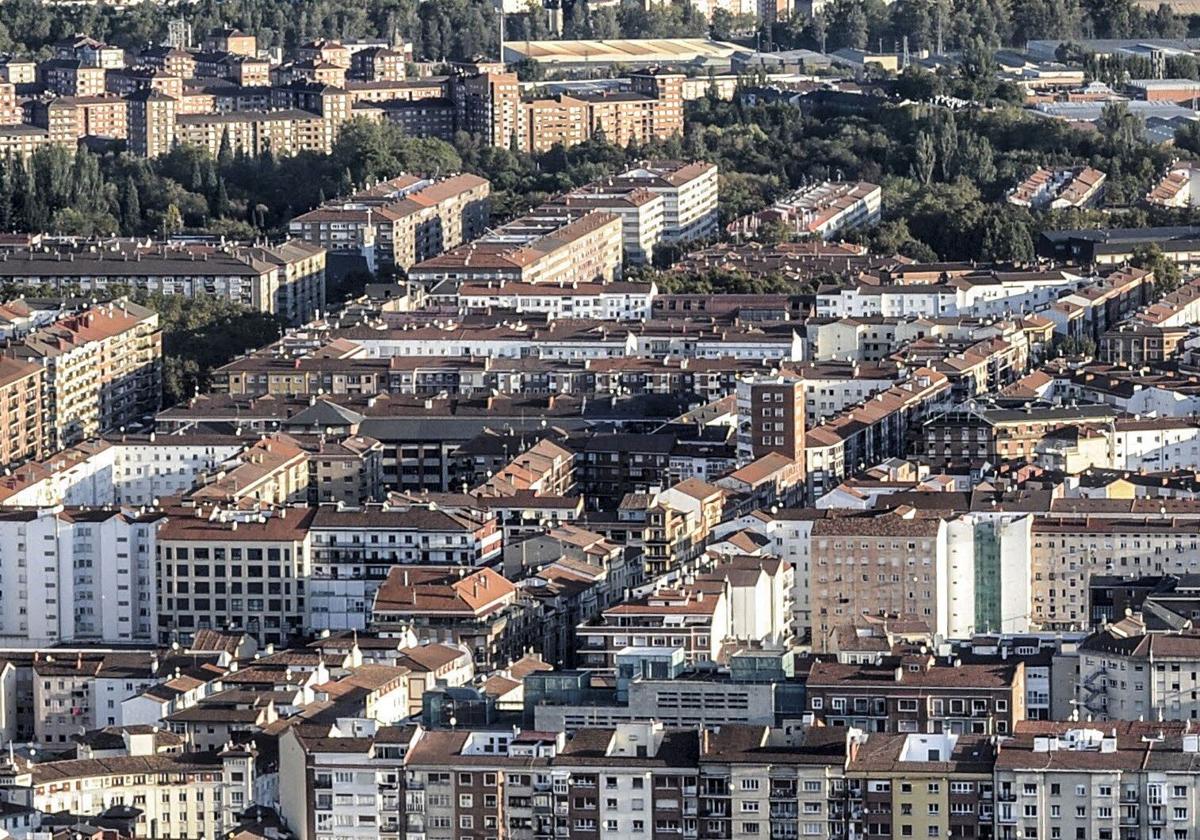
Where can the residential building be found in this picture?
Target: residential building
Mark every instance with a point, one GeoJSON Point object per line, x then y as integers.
{"type": "Point", "coordinates": [916, 693]}
{"type": "Point", "coordinates": [400, 222]}
{"type": "Point", "coordinates": [354, 550]}
{"type": "Point", "coordinates": [490, 104]}
{"type": "Point", "coordinates": [287, 279]}
{"type": "Point", "coordinates": [553, 250]}
{"type": "Point", "coordinates": [475, 608]}
{"type": "Point", "coordinates": [1071, 779]}
{"type": "Point", "coordinates": [823, 211]}
{"type": "Point", "coordinates": [1069, 550]}
{"type": "Point", "coordinates": [21, 412]}
{"type": "Point", "coordinates": [1056, 190]}
{"type": "Point", "coordinates": [175, 795]}
{"type": "Point", "coordinates": [1129, 673]}
{"type": "Point", "coordinates": [689, 191]}
{"type": "Point", "coordinates": [771, 416]}
{"type": "Point", "coordinates": [223, 568]}
{"type": "Point", "coordinates": [351, 782]}
{"type": "Point", "coordinates": [77, 575]}
{"type": "Point", "coordinates": [904, 570]}
{"type": "Point", "coordinates": [102, 370]}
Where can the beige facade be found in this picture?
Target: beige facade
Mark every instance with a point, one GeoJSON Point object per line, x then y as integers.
{"type": "Point", "coordinates": [881, 564]}
{"type": "Point", "coordinates": [1068, 551]}
{"type": "Point", "coordinates": [561, 251]}
{"type": "Point", "coordinates": [21, 412]}
{"type": "Point", "coordinates": [103, 370]}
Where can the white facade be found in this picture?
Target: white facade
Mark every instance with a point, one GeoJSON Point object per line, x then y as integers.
{"type": "Point", "coordinates": [349, 792]}
{"type": "Point", "coordinates": [76, 576]}
{"type": "Point", "coordinates": [599, 301]}
{"type": "Point", "coordinates": [989, 556]}
{"type": "Point", "coordinates": [115, 473]}
{"type": "Point", "coordinates": [689, 205]}
{"type": "Point", "coordinates": [965, 296]}
{"type": "Point", "coordinates": [178, 798]}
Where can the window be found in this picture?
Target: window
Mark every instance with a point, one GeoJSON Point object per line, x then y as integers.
{"type": "Point", "coordinates": [750, 784]}
{"type": "Point", "coordinates": [750, 806]}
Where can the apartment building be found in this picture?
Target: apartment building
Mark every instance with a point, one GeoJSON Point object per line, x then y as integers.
{"type": "Point", "coordinates": [931, 785]}
{"type": "Point", "coordinates": [231, 40]}
{"type": "Point", "coordinates": [11, 112]}
{"type": "Point", "coordinates": [1070, 779]}
{"type": "Point", "coordinates": [958, 290]}
{"type": "Point", "coordinates": [917, 693]}
{"type": "Point", "coordinates": [348, 470]}
{"type": "Point", "coordinates": [642, 214]}
{"type": "Point", "coordinates": [102, 370]}
{"type": "Point", "coordinates": [284, 132]}
{"type": "Point", "coordinates": [345, 784]}
{"type": "Point", "coordinates": [272, 472]}
{"type": "Point", "coordinates": [771, 415]}
{"type": "Point", "coordinates": [130, 470]}
{"type": "Point", "coordinates": [616, 301]}
{"type": "Point", "coordinates": [559, 250]}
{"type": "Point", "coordinates": [635, 779]}
{"type": "Point", "coordinates": [378, 64]}
{"type": "Point", "coordinates": [150, 122]}
{"type": "Point", "coordinates": [878, 565]}
{"type": "Point", "coordinates": [353, 551]}
{"type": "Point", "coordinates": [689, 191]}
{"type": "Point", "coordinates": [825, 210]}
{"type": "Point", "coordinates": [77, 575]}
{"type": "Point", "coordinates": [223, 568]}
{"type": "Point", "coordinates": [474, 608]}
{"type": "Point", "coordinates": [78, 691]}
{"type": "Point", "coordinates": [179, 795]}
{"type": "Point", "coordinates": [68, 118]}
{"type": "Point", "coordinates": [71, 77]}
{"type": "Point", "coordinates": [984, 433]}
{"type": "Point", "coordinates": [1135, 345]}
{"type": "Point", "coordinates": [741, 602]}
{"type": "Point", "coordinates": [21, 412]}
{"type": "Point", "coordinates": [287, 279]}
{"type": "Point", "coordinates": [874, 431]}
{"type": "Point", "coordinates": [1127, 673]}
{"type": "Point", "coordinates": [402, 221]}
{"type": "Point", "coordinates": [490, 104]}
{"type": "Point", "coordinates": [22, 140]}
{"type": "Point", "coordinates": [1069, 550]}
{"type": "Point", "coordinates": [172, 60]}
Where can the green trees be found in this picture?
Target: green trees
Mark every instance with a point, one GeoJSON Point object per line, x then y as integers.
{"type": "Point", "coordinates": [1167, 275]}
